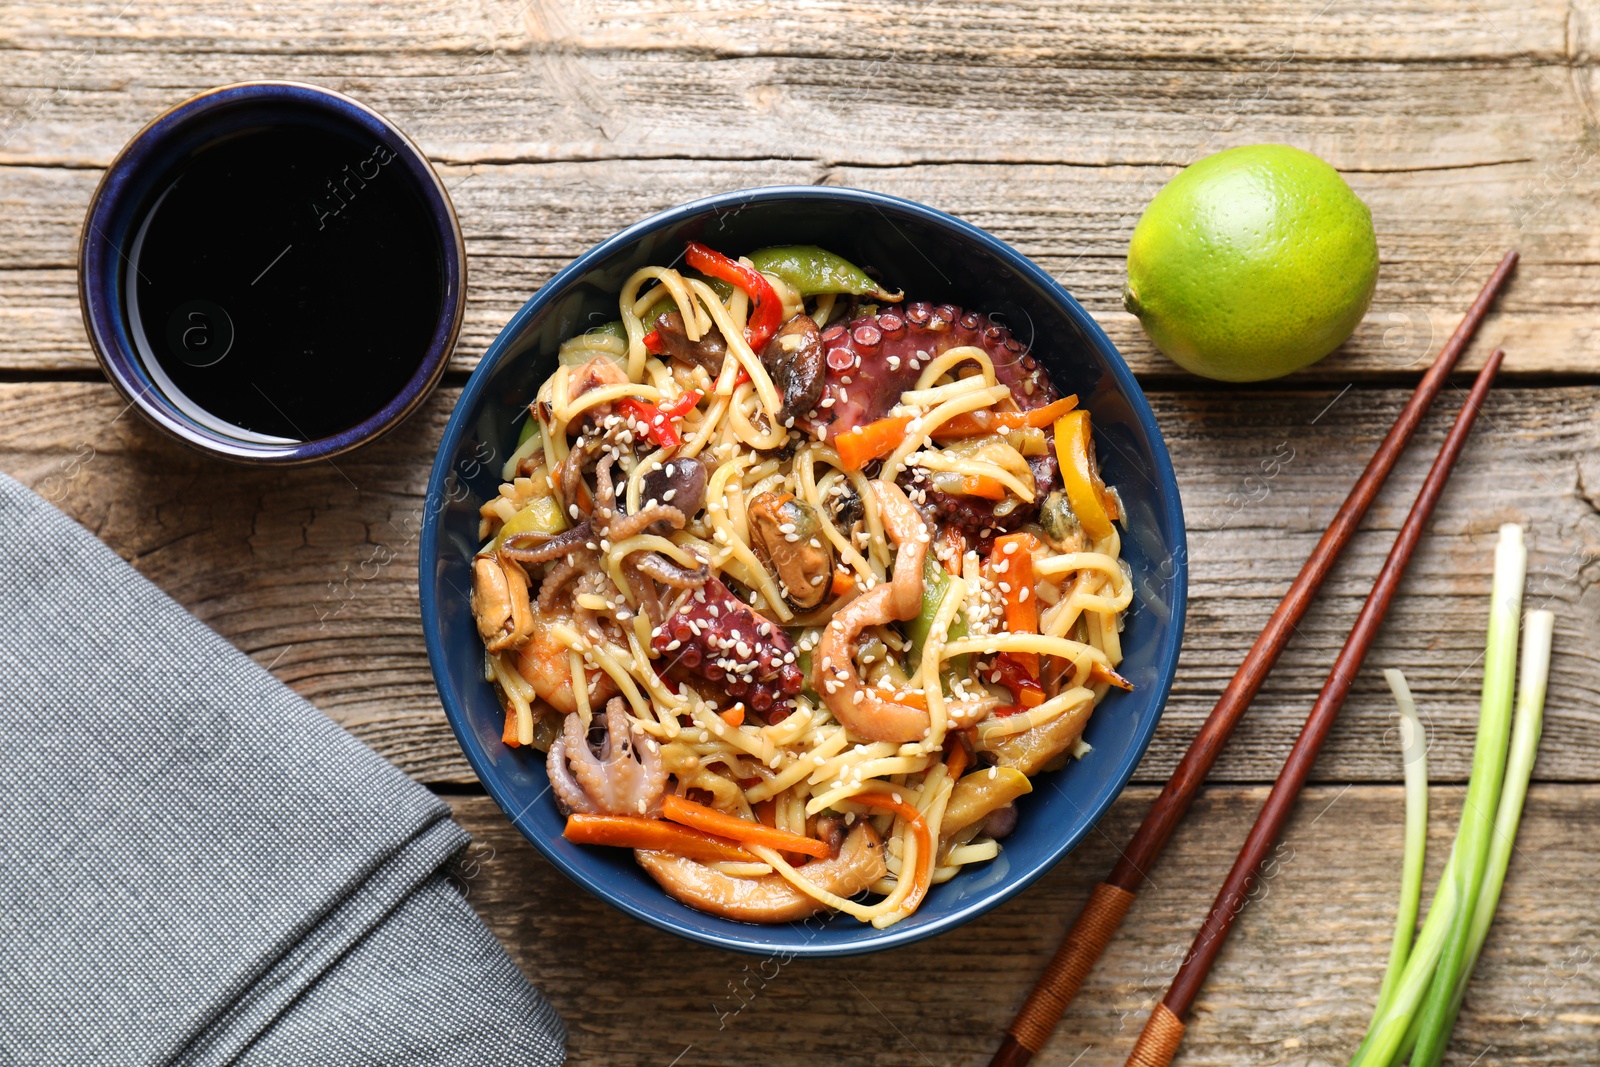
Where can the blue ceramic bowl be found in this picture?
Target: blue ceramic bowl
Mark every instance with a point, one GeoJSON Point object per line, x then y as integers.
{"type": "Point", "coordinates": [931, 256]}
{"type": "Point", "coordinates": [148, 163]}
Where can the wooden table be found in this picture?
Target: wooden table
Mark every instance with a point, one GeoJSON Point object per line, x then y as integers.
{"type": "Point", "coordinates": [1468, 128]}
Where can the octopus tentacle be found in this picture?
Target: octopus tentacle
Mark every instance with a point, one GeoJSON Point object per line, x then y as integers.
{"type": "Point", "coordinates": [569, 794]}
{"type": "Point", "coordinates": [570, 472]}
{"type": "Point", "coordinates": [560, 576]}
{"type": "Point", "coordinates": [715, 637]}
{"type": "Point", "coordinates": [541, 548]}
{"type": "Point", "coordinates": [873, 359]}
{"type": "Point", "coordinates": [670, 573]}
{"type": "Point", "coordinates": [629, 525]}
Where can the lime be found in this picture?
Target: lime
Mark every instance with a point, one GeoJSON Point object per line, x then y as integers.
{"type": "Point", "coordinates": [1252, 263]}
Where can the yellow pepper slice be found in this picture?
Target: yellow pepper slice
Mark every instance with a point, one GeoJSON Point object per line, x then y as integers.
{"type": "Point", "coordinates": [1075, 450]}
{"type": "Point", "coordinates": [542, 514]}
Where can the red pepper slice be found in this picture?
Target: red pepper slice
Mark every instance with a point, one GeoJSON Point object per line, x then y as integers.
{"type": "Point", "coordinates": [660, 423]}
{"type": "Point", "coordinates": [682, 406]}
{"type": "Point", "coordinates": [656, 426]}
{"type": "Point", "coordinates": [652, 343]}
{"type": "Point", "coordinates": [766, 311]}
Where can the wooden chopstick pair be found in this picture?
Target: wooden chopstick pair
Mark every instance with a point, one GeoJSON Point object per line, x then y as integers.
{"type": "Point", "coordinates": [1109, 902]}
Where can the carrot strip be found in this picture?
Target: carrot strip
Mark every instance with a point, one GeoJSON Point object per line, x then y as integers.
{"type": "Point", "coordinates": [843, 582]}
{"type": "Point", "coordinates": [980, 422]}
{"type": "Point", "coordinates": [861, 445]}
{"type": "Point", "coordinates": [956, 762]}
{"type": "Point", "coordinates": [508, 736]}
{"type": "Point", "coordinates": [1011, 565]}
{"type": "Point", "coordinates": [1013, 570]}
{"type": "Point", "coordinates": [1100, 673]}
{"type": "Point", "coordinates": [983, 485]}
{"type": "Point", "coordinates": [909, 698]}
{"type": "Point", "coordinates": [734, 716]}
{"type": "Point", "coordinates": [633, 831]}
{"type": "Point", "coordinates": [954, 545]}
{"type": "Point", "coordinates": [919, 826]}
{"type": "Point", "coordinates": [713, 821]}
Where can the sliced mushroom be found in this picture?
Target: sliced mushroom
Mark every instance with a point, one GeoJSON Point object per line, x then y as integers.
{"type": "Point", "coordinates": [787, 534]}
{"type": "Point", "coordinates": [500, 603]}
{"type": "Point", "coordinates": [708, 352]}
{"type": "Point", "coordinates": [794, 358]}
{"type": "Point", "coordinates": [680, 483]}
{"type": "Point", "coordinates": [1033, 750]}
{"type": "Point", "coordinates": [769, 898]}
{"type": "Point", "coordinates": [1001, 821]}
{"type": "Point", "coordinates": [980, 794]}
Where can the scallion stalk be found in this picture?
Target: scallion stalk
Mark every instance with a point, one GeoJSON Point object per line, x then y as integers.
{"type": "Point", "coordinates": [1414, 757]}
{"type": "Point", "coordinates": [1537, 633]}
{"type": "Point", "coordinates": [1483, 791]}
{"type": "Point", "coordinates": [1414, 752]}
{"type": "Point", "coordinates": [1436, 957]}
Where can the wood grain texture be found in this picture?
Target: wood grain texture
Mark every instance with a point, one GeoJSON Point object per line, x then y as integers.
{"type": "Point", "coordinates": [1467, 128]}
{"type": "Point", "coordinates": [557, 122]}
{"type": "Point", "coordinates": [313, 571]}
{"type": "Point", "coordinates": [1295, 984]}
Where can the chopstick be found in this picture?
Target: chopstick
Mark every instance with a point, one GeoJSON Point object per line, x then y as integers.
{"type": "Point", "coordinates": [1109, 902]}
{"type": "Point", "coordinates": [1164, 1030]}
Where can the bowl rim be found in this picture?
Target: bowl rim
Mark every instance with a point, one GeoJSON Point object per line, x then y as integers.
{"type": "Point", "coordinates": [100, 315]}
{"type": "Point", "coordinates": [468, 402]}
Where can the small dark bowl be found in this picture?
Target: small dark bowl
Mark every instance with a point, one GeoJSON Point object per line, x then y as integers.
{"type": "Point", "coordinates": [930, 256]}
{"type": "Point", "coordinates": [149, 160]}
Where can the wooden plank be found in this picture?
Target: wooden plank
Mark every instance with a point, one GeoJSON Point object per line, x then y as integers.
{"type": "Point", "coordinates": [1464, 131]}
{"type": "Point", "coordinates": [313, 571]}
{"type": "Point", "coordinates": [1014, 32]}
{"type": "Point", "coordinates": [1439, 235]}
{"type": "Point", "coordinates": [1295, 984]}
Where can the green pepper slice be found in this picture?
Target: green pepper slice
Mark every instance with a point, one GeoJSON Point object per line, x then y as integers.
{"type": "Point", "coordinates": [812, 271]}
{"type": "Point", "coordinates": [935, 584]}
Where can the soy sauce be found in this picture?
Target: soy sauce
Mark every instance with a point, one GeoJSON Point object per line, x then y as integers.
{"type": "Point", "coordinates": [286, 283]}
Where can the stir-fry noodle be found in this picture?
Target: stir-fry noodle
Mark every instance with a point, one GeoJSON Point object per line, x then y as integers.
{"type": "Point", "coordinates": [797, 585]}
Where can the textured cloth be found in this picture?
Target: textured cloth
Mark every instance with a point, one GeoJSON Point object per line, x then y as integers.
{"type": "Point", "coordinates": [199, 868]}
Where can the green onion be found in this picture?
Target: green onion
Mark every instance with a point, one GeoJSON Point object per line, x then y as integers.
{"type": "Point", "coordinates": [1414, 749]}
{"type": "Point", "coordinates": [1537, 634]}
{"type": "Point", "coordinates": [1432, 974]}
{"type": "Point", "coordinates": [1483, 791]}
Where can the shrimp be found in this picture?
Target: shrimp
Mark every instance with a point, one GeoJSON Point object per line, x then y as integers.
{"type": "Point", "coordinates": [544, 662]}
{"type": "Point", "coordinates": [859, 707]}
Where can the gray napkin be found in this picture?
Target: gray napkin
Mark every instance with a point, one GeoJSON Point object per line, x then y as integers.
{"type": "Point", "coordinates": [197, 867]}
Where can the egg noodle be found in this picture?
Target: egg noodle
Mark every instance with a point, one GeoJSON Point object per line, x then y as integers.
{"type": "Point", "coordinates": [666, 483]}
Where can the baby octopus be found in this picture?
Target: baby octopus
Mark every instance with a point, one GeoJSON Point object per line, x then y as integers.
{"type": "Point", "coordinates": [624, 778]}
